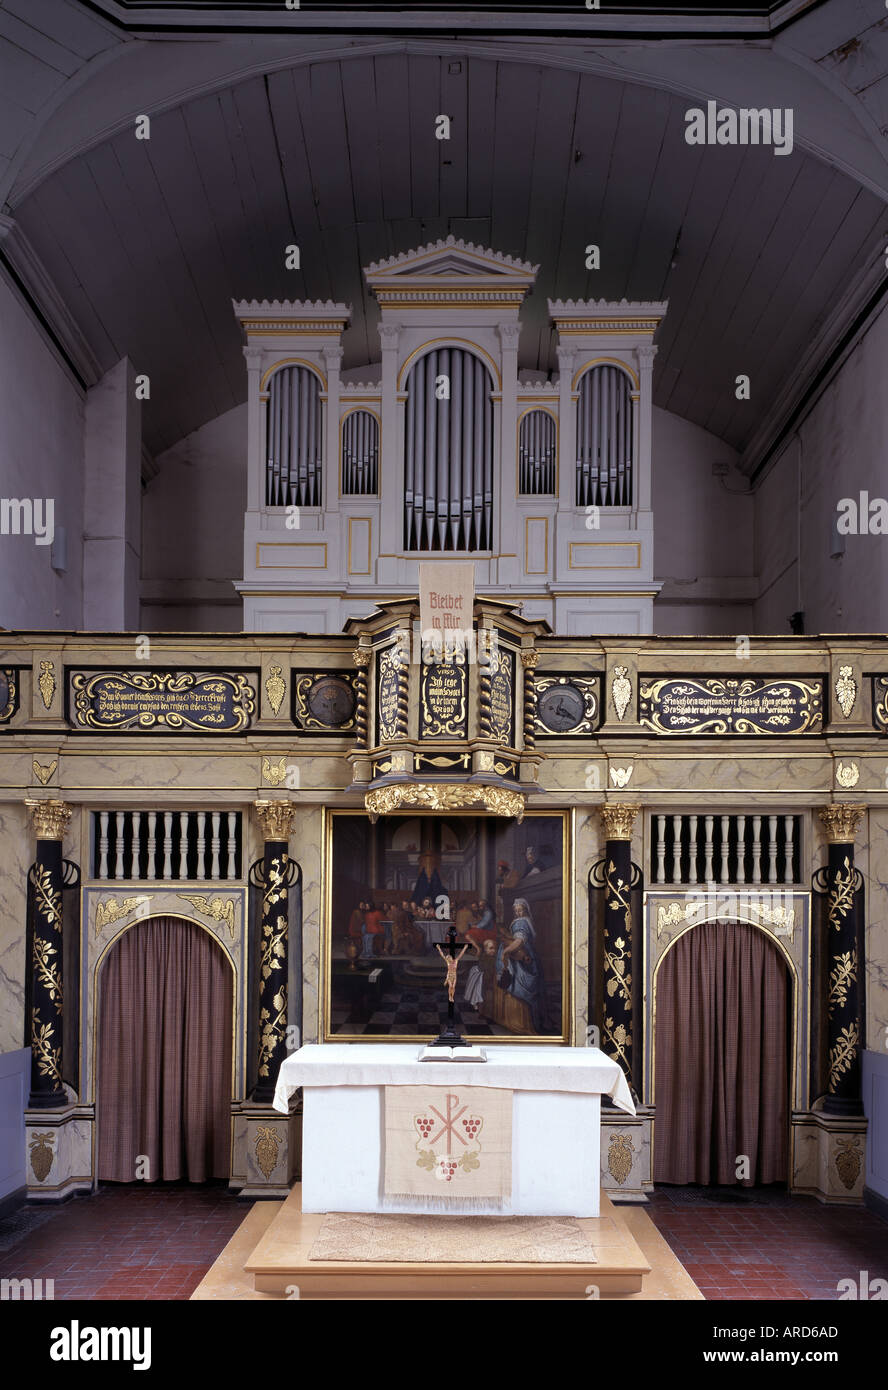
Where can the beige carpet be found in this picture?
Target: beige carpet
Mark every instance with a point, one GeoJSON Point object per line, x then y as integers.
{"type": "Point", "coordinates": [452, 1239]}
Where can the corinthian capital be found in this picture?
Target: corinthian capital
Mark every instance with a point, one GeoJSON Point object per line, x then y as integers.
{"type": "Point", "coordinates": [841, 822]}
{"type": "Point", "coordinates": [618, 818]}
{"type": "Point", "coordinates": [49, 818]}
{"type": "Point", "coordinates": [275, 818]}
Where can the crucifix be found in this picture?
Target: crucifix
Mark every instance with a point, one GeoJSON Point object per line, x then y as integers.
{"type": "Point", "coordinates": [450, 1037]}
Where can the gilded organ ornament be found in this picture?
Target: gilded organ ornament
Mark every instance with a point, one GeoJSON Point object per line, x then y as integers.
{"type": "Point", "coordinates": [274, 773]}
{"type": "Point", "coordinates": [217, 909]}
{"type": "Point", "coordinates": [324, 702]}
{"type": "Point", "coordinates": [846, 690]}
{"type": "Point", "coordinates": [438, 796]}
{"type": "Point", "coordinates": [44, 773]}
{"type": "Point", "coordinates": [621, 690]}
{"type": "Point", "coordinates": [619, 1157]}
{"type": "Point", "coordinates": [620, 775]}
{"type": "Point", "coordinates": [41, 1151]}
{"type": "Point", "coordinates": [848, 1160]}
{"type": "Point", "coordinates": [115, 909]}
{"type": "Point", "coordinates": [565, 705]}
{"type": "Point", "coordinates": [275, 688]}
{"type": "Point", "coordinates": [847, 775]}
{"type": "Point", "coordinates": [268, 1143]}
{"type": "Point", "coordinates": [46, 683]}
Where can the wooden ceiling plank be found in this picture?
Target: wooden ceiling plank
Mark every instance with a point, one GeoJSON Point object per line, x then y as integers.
{"type": "Point", "coordinates": [290, 97]}
{"type": "Point", "coordinates": [597, 114]}
{"type": "Point", "coordinates": [550, 167]}
{"type": "Point", "coordinates": [635, 154]}
{"type": "Point", "coordinates": [454, 153]}
{"type": "Point", "coordinates": [362, 133]}
{"type": "Point", "coordinates": [70, 25]}
{"type": "Point", "coordinates": [38, 44]}
{"type": "Point", "coordinates": [264, 186]}
{"type": "Point", "coordinates": [517, 109]}
{"type": "Point", "coordinates": [666, 211]}
{"type": "Point", "coordinates": [394, 147]}
{"type": "Point", "coordinates": [480, 121]}
{"type": "Point", "coordinates": [426, 151]}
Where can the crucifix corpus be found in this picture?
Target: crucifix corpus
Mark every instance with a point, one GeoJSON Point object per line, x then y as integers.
{"type": "Point", "coordinates": [450, 1037]}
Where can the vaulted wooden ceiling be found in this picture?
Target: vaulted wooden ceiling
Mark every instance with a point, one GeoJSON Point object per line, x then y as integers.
{"type": "Point", "coordinates": [148, 241]}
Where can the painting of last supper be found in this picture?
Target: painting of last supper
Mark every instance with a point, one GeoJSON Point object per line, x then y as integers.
{"type": "Point", "coordinates": [393, 891]}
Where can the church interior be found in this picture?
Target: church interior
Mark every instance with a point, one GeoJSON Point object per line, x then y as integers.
{"type": "Point", "coordinates": [308, 314]}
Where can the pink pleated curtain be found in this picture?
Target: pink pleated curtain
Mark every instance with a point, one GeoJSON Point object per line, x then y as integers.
{"type": "Point", "coordinates": [164, 1055]}
{"type": "Point", "coordinates": [722, 1063]}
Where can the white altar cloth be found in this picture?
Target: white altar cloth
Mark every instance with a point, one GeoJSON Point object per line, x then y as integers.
{"type": "Point", "coordinates": [556, 1121]}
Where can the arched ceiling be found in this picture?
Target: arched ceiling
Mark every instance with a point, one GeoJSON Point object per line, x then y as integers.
{"type": "Point", "coordinates": [258, 141]}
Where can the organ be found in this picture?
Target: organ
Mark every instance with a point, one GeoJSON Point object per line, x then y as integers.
{"type": "Point", "coordinates": [445, 447]}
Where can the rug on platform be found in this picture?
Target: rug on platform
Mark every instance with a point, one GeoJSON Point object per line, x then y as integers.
{"type": "Point", "coordinates": [453, 1239]}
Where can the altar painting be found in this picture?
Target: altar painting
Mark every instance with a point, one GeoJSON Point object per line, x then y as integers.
{"type": "Point", "coordinates": [393, 890]}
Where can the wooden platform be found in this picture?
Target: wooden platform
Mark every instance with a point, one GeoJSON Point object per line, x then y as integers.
{"type": "Point", "coordinates": [268, 1257]}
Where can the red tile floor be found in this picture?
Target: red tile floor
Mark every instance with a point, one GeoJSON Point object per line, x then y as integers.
{"type": "Point", "coordinates": [759, 1243]}
{"type": "Point", "coordinates": [157, 1242]}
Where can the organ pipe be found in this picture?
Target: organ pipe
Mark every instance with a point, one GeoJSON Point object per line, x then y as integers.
{"type": "Point", "coordinates": [604, 438]}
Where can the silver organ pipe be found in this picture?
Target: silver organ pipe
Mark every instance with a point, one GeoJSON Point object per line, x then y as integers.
{"type": "Point", "coordinates": [448, 471]}
{"type": "Point", "coordinates": [360, 454]}
{"type": "Point", "coordinates": [536, 454]}
{"type": "Point", "coordinates": [294, 435]}
{"type": "Point", "coordinates": [604, 438]}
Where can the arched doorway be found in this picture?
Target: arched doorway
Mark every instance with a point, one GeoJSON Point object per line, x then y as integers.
{"type": "Point", "coordinates": [164, 1055]}
{"type": "Point", "coordinates": [723, 1005]}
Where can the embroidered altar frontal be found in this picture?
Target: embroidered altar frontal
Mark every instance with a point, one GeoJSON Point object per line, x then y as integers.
{"type": "Point", "coordinates": [447, 1144]}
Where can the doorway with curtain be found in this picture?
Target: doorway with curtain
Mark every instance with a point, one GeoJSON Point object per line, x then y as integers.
{"type": "Point", "coordinates": [164, 1055]}
{"type": "Point", "coordinates": [723, 1002]}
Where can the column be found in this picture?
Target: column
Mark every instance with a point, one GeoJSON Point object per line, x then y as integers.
{"type": "Point", "coordinates": [50, 819]}
{"type": "Point", "coordinates": [332, 363]}
{"type": "Point", "coordinates": [844, 964]}
{"type": "Point", "coordinates": [391, 464]}
{"type": "Point", "coordinates": [617, 1041]}
{"type": "Point", "coordinates": [567, 432]}
{"type": "Point", "coordinates": [256, 461]}
{"type": "Point", "coordinates": [641, 484]}
{"type": "Point", "coordinates": [506, 519]}
{"type": "Point", "coordinates": [275, 819]}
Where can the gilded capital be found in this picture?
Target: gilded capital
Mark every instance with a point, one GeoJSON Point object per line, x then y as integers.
{"type": "Point", "coordinates": [618, 818]}
{"type": "Point", "coordinates": [529, 658]}
{"type": "Point", "coordinates": [275, 818]}
{"type": "Point", "coordinates": [49, 818]}
{"type": "Point", "coordinates": [841, 822]}
{"type": "Point", "coordinates": [361, 656]}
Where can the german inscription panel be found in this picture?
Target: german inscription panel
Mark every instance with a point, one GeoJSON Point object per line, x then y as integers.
{"type": "Point", "coordinates": [722, 705]}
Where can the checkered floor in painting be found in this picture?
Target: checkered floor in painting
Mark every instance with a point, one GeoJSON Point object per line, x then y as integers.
{"type": "Point", "coordinates": [416, 1011]}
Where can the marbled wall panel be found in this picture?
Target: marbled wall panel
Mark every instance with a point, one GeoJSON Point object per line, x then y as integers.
{"type": "Point", "coordinates": [16, 854]}
{"type": "Point", "coordinates": [306, 847]}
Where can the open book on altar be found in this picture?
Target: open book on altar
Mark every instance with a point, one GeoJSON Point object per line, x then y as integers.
{"type": "Point", "coordinates": [452, 1054]}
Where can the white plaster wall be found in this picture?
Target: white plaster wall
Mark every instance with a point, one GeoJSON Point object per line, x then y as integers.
{"type": "Point", "coordinates": [192, 530]}
{"type": "Point", "coordinates": [703, 532]}
{"type": "Point", "coordinates": [839, 450]}
{"type": "Point", "coordinates": [41, 455]}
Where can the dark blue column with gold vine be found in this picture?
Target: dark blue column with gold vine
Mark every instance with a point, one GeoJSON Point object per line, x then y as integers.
{"type": "Point", "coordinates": [276, 819]}
{"type": "Point", "coordinates": [618, 1029]}
{"type": "Point", "coordinates": [845, 964]}
{"type": "Point", "coordinates": [50, 819]}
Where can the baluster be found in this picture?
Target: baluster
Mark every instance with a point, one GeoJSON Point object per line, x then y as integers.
{"type": "Point", "coordinates": [214, 870]}
{"type": "Point", "coordinates": [723, 875]}
{"type": "Point", "coordinates": [788, 868]}
{"type": "Point", "coordinates": [756, 849]}
{"type": "Point", "coordinates": [661, 849]}
{"type": "Point", "coordinates": [676, 850]}
{"type": "Point", "coordinates": [772, 849]}
{"type": "Point", "coordinates": [167, 844]}
{"type": "Point", "coordinates": [152, 845]}
{"type": "Point", "coordinates": [232, 844]}
{"type": "Point", "coordinates": [201, 871]}
{"type": "Point", "coordinates": [140, 820]}
{"type": "Point", "coordinates": [741, 850]}
{"type": "Point", "coordinates": [692, 850]}
{"type": "Point", "coordinates": [118, 861]}
{"type": "Point", "coordinates": [103, 844]}
{"type": "Point", "coordinates": [707, 868]}
{"type": "Point", "coordinates": [183, 844]}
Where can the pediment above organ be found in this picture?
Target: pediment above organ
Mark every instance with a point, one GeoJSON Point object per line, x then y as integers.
{"type": "Point", "coordinates": [450, 271]}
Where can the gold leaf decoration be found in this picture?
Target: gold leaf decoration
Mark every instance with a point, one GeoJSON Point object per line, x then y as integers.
{"type": "Point", "coordinates": [621, 690]}
{"type": "Point", "coordinates": [841, 977]}
{"type": "Point", "coordinates": [275, 688]}
{"type": "Point", "coordinates": [42, 773]}
{"type": "Point", "coordinates": [275, 773]}
{"type": "Point", "coordinates": [48, 1058]}
{"type": "Point", "coordinates": [844, 1053]}
{"type": "Point", "coordinates": [268, 1143]}
{"type": "Point", "coordinates": [847, 775]}
{"type": "Point", "coordinates": [41, 1154]}
{"type": "Point", "coordinates": [619, 1157]}
{"type": "Point", "coordinates": [846, 690]}
{"type": "Point", "coordinates": [848, 1161]}
{"type": "Point", "coordinates": [218, 909]}
{"type": "Point", "coordinates": [46, 683]}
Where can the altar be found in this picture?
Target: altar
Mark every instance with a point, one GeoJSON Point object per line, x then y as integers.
{"type": "Point", "coordinates": [555, 1117]}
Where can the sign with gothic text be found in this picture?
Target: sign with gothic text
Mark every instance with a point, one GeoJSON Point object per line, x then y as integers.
{"type": "Point", "coordinates": [722, 705]}
{"type": "Point", "coordinates": [162, 702]}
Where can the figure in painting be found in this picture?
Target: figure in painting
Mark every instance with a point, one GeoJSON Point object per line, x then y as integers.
{"type": "Point", "coordinates": [519, 970]}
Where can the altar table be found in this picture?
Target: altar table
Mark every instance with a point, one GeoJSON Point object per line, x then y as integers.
{"type": "Point", "coordinates": [556, 1120]}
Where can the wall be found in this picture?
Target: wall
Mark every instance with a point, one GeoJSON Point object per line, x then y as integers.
{"type": "Point", "coordinates": [838, 451]}
{"type": "Point", "coordinates": [192, 530]}
{"type": "Point", "coordinates": [703, 533]}
{"type": "Point", "coordinates": [41, 455]}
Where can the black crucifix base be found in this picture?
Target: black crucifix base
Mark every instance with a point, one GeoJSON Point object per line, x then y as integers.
{"type": "Point", "coordinates": [450, 1037]}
